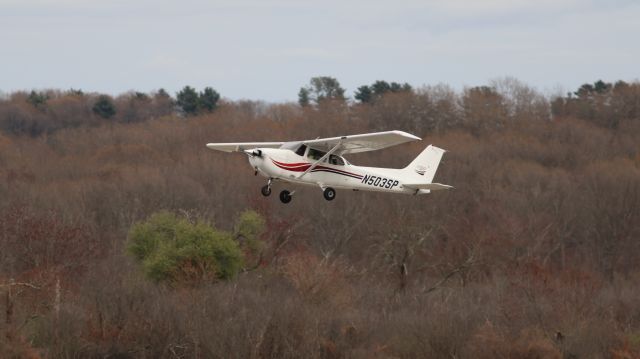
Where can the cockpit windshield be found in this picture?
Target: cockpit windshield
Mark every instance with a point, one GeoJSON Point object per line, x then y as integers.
{"type": "Point", "coordinates": [300, 150]}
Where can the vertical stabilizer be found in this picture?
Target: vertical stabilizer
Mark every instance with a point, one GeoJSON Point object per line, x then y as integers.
{"type": "Point", "coordinates": [425, 165]}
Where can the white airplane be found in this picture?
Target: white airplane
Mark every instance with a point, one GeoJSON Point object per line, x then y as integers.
{"type": "Point", "coordinates": [320, 163]}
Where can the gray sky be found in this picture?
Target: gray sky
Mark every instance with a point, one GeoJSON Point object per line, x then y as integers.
{"type": "Point", "coordinates": [267, 50]}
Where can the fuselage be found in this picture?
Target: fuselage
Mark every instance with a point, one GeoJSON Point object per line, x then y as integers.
{"type": "Point", "coordinates": [286, 165]}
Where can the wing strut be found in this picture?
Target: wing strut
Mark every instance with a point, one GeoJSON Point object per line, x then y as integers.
{"type": "Point", "coordinates": [335, 148]}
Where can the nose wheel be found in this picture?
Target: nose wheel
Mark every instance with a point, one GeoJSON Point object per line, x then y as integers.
{"type": "Point", "coordinates": [266, 190]}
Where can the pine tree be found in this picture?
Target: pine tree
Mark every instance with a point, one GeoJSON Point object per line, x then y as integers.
{"type": "Point", "coordinates": [104, 107]}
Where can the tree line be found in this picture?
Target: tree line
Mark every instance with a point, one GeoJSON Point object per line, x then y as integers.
{"type": "Point", "coordinates": [44, 112]}
{"type": "Point", "coordinates": [431, 107]}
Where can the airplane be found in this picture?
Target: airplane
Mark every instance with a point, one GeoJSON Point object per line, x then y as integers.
{"type": "Point", "coordinates": [320, 162]}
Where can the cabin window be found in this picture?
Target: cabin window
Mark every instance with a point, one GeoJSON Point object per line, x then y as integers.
{"type": "Point", "coordinates": [315, 154]}
{"type": "Point", "coordinates": [300, 150]}
{"type": "Point", "coordinates": [336, 160]}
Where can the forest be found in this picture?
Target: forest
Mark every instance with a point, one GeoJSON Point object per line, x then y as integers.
{"type": "Point", "coordinates": [123, 236]}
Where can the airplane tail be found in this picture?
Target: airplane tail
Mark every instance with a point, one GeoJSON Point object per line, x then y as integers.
{"type": "Point", "coordinates": [426, 164]}
{"type": "Point", "coordinates": [423, 168]}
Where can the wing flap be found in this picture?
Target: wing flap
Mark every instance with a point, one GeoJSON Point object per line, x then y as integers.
{"type": "Point", "coordinates": [429, 186]}
{"type": "Point", "coordinates": [241, 146]}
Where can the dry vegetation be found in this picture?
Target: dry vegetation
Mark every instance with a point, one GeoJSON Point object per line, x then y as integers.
{"type": "Point", "coordinates": [535, 254]}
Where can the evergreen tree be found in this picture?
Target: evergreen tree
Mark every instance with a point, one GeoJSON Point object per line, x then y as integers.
{"type": "Point", "coordinates": [379, 88]}
{"type": "Point", "coordinates": [140, 96]}
{"type": "Point", "coordinates": [208, 99]}
{"type": "Point", "coordinates": [364, 94]}
{"type": "Point", "coordinates": [104, 107]}
{"type": "Point", "coordinates": [37, 99]}
{"type": "Point", "coordinates": [187, 100]}
{"type": "Point", "coordinates": [601, 86]}
{"type": "Point", "coordinates": [367, 94]}
{"type": "Point", "coordinates": [162, 93]}
{"type": "Point", "coordinates": [303, 97]}
{"type": "Point", "coordinates": [584, 90]}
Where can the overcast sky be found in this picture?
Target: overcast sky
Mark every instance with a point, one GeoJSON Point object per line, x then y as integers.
{"type": "Point", "coordinates": [267, 50]}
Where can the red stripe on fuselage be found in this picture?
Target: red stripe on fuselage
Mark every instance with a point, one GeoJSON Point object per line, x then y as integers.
{"type": "Point", "coordinates": [301, 167]}
{"type": "Point", "coordinates": [290, 164]}
{"type": "Point", "coordinates": [294, 167]}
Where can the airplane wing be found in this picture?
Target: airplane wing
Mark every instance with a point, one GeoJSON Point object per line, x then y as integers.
{"type": "Point", "coordinates": [241, 146]}
{"type": "Point", "coordinates": [348, 144]}
{"type": "Point", "coordinates": [363, 142]}
{"type": "Point", "coordinates": [429, 186]}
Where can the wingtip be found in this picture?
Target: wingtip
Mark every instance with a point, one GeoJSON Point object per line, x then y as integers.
{"type": "Point", "coordinates": [409, 135]}
{"type": "Point", "coordinates": [438, 148]}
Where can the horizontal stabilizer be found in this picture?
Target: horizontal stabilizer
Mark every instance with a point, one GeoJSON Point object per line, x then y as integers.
{"type": "Point", "coordinates": [429, 186]}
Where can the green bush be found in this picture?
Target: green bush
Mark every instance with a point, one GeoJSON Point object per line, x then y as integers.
{"type": "Point", "coordinates": [174, 250]}
{"type": "Point", "coordinates": [248, 229]}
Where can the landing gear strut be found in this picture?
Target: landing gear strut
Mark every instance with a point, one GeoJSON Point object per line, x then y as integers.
{"type": "Point", "coordinates": [285, 196]}
{"type": "Point", "coordinates": [329, 193]}
{"type": "Point", "coordinates": [266, 190]}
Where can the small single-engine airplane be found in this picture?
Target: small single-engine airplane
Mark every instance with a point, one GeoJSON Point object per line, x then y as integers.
{"type": "Point", "coordinates": [320, 163]}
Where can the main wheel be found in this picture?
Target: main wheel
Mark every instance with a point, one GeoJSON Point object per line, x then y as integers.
{"type": "Point", "coordinates": [285, 196]}
{"type": "Point", "coordinates": [329, 194]}
{"type": "Point", "coordinates": [266, 190]}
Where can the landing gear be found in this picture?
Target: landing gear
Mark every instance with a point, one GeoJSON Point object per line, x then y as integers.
{"type": "Point", "coordinates": [285, 196]}
{"type": "Point", "coordinates": [329, 193]}
{"type": "Point", "coordinates": [266, 190]}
